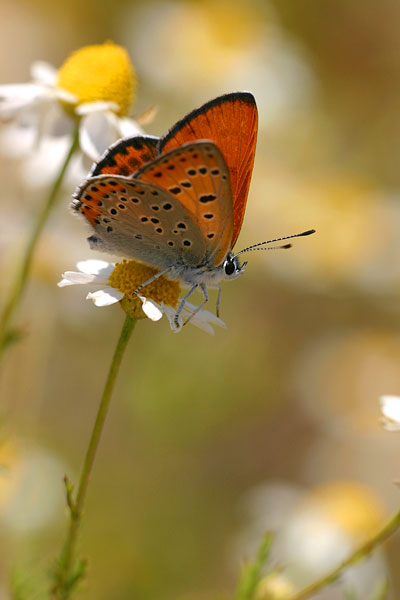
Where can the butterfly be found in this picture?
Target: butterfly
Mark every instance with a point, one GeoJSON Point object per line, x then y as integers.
{"type": "Point", "coordinates": [177, 202]}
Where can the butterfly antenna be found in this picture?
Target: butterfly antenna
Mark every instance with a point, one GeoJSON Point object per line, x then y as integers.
{"type": "Point", "coordinates": [283, 247]}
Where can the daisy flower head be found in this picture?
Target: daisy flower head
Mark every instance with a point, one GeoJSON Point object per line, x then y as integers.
{"type": "Point", "coordinates": [117, 282]}
{"type": "Point", "coordinates": [95, 85]}
{"type": "Point", "coordinates": [390, 409]}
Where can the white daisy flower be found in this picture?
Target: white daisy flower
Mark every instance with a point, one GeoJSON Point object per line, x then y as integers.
{"type": "Point", "coordinates": [118, 281]}
{"type": "Point", "coordinates": [390, 408]}
{"type": "Point", "coordinates": [96, 85]}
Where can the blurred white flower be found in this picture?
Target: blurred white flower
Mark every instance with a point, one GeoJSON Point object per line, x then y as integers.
{"type": "Point", "coordinates": [314, 531]}
{"type": "Point", "coordinates": [390, 408]}
{"type": "Point", "coordinates": [94, 86]}
{"type": "Point", "coordinates": [118, 282]}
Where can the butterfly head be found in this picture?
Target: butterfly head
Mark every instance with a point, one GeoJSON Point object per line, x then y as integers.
{"type": "Point", "coordinates": [231, 267]}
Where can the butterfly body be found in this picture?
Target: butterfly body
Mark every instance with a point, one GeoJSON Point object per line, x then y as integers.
{"type": "Point", "coordinates": [210, 276]}
{"type": "Point", "coordinates": [177, 203]}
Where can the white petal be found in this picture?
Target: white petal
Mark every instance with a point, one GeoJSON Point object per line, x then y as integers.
{"type": "Point", "coordinates": [44, 73]}
{"type": "Point", "coordinates": [198, 321]}
{"type": "Point", "coordinates": [10, 108]}
{"type": "Point", "coordinates": [86, 108]}
{"type": "Point", "coordinates": [25, 91]}
{"type": "Point", "coordinates": [202, 319]}
{"type": "Point", "coordinates": [203, 325]}
{"type": "Point", "coordinates": [151, 309]}
{"type": "Point", "coordinates": [15, 98]}
{"type": "Point", "coordinates": [96, 267]}
{"type": "Point", "coordinates": [205, 315]}
{"type": "Point", "coordinates": [97, 131]}
{"type": "Point", "coordinates": [105, 297]}
{"type": "Point", "coordinates": [129, 128]}
{"type": "Point", "coordinates": [65, 96]}
{"type": "Point", "coordinates": [390, 407]}
{"type": "Point", "coordinates": [74, 278]}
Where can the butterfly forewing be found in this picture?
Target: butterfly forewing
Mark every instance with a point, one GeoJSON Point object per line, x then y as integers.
{"type": "Point", "coordinates": [197, 176]}
{"type": "Point", "coordinates": [138, 220]}
{"type": "Point", "coordinates": [230, 121]}
{"type": "Point", "coordinates": [126, 156]}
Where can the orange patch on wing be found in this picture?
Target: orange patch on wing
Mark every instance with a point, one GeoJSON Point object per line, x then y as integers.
{"type": "Point", "coordinates": [125, 157]}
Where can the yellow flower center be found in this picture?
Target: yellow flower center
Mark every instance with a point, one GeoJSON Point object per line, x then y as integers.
{"type": "Point", "coordinates": [129, 275]}
{"type": "Point", "coordinates": [100, 73]}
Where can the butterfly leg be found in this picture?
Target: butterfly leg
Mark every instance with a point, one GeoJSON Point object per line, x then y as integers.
{"type": "Point", "coordinates": [156, 276]}
{"type": "Point", "coordinates": [198, 308]}
{"type": "Point", "coordinates": [218, 300]}
{"type": "Point", "coordinates": [182, 304]}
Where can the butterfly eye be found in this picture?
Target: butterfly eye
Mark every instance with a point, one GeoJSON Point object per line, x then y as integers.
{"type": "Point", "coordinates": [229, 267]}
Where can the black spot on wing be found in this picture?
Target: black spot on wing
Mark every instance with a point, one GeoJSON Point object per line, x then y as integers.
{"type": "Point", "coordinates": [205, 198]}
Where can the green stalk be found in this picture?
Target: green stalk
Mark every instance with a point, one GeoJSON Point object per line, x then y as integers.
{"type": "Point", "coordinates": [18, 288]}
{"type": "Point", "coordinates": [67, 574]}
{"type": "Point", "coordinates": [359, 554]}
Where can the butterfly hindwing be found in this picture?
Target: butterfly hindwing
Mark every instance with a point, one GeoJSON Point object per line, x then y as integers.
{"type": "Point", "coordinates": [138, 220]}
{"type": "Point", "coordinates": [197, 176]}
{"type": "Point", "coordinates": [230, 121]}
{"type": "Point", "coordinates": [126, 156]}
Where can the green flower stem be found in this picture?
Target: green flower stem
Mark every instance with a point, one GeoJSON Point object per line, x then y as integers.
{"type": "Point", "coordinates": [67, 574]}
{"type": "Point", "coordinates": [20, 282]}
{"type": "Point", "coordinates": [359, 554]}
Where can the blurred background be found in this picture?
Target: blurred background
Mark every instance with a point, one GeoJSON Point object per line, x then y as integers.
{"type": "Point", "coordinates": [274, 423]}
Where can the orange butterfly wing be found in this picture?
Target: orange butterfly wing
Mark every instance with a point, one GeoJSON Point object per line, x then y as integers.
{"type": "Point", "coordinates": [230, 121]}
{"type": "Point", "coordinates": [197, 176]}
{"type": "Point", "coordinates": [126, 156]}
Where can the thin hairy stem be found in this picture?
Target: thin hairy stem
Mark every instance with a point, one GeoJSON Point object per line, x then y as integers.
{"type": "Point", "coordinates": [23, 270]}
{"type": "Point", "coordinates": [359, 554]}
{"type": "Point", "coordinates": [67, 573]}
